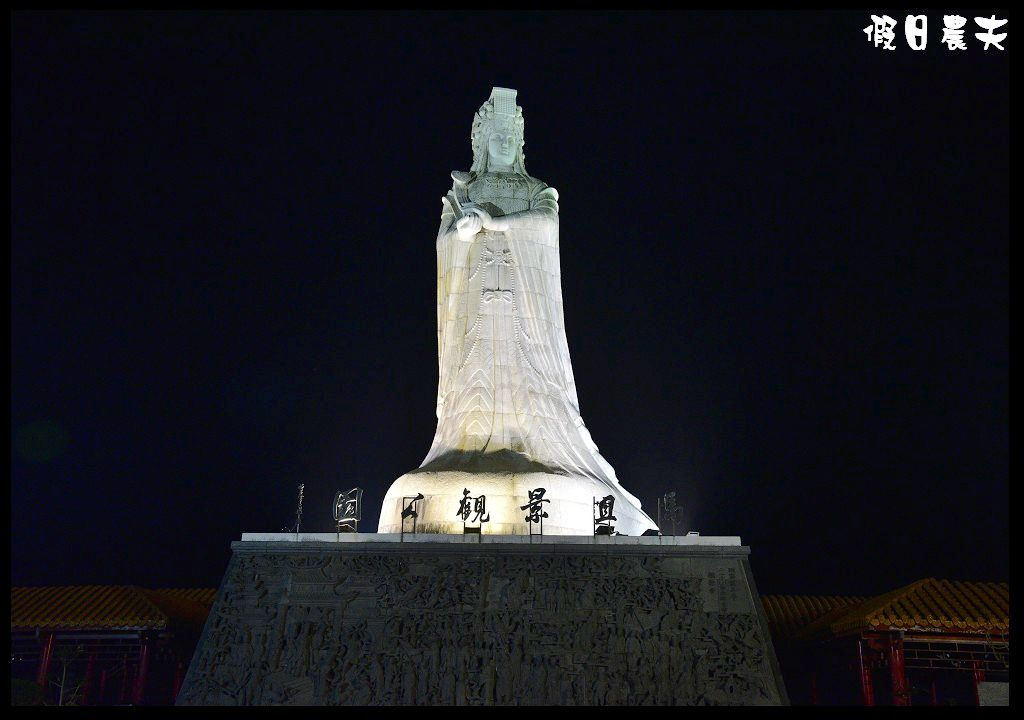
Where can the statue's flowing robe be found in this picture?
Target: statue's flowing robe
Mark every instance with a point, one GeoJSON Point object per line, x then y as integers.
{"type": "Point", "coordinates": [506, 387]}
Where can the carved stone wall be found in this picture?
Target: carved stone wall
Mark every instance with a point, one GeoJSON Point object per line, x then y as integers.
{"type": "Point", "coordinates": [463, 624]}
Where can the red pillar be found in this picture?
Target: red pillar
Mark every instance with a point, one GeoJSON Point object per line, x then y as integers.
{"type": "Point", "coordinates": [90, 671]}
{"type": "Point", "coordinates": [814, 688]}
{"type": "Point", "coordinates": [978, 672]}
{"type": "Point", "coordinates": [179, 677]}
{"type": "Point", "coordinates": [897, 670]}
{"type": "Point", "coordinates": [935, 695]}
{"type": "Point", "coordinates": [139, 694]}
{"type": "Point", "coordinates": [45, 657]}
{"type": "Point", "coordinates": [103, 686]}
{"type": "Point", "coordinates": [867, 689]}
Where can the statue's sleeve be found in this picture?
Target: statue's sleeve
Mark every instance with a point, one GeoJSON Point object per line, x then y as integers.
{"type": "Point", "coordinates": [546, 200]}
{"type": "Point", "coordinates": [456, 197]}
{"type": "Point", "coordinates": [543, 212]}
{"type": "Point", "coordinates": [451, 277]}
{"type": "Point", "coordinates": [447, 217]}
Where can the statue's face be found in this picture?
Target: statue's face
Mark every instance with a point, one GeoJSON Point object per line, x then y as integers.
{"type": "Point", "coordinates": [501, 149]}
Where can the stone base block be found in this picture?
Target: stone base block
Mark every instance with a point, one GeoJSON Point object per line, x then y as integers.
{"type": "Point", "coordinates": [556, 621]}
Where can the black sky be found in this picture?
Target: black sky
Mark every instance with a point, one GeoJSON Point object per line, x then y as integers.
{"type": "Point", "coordinates": [784, 263]}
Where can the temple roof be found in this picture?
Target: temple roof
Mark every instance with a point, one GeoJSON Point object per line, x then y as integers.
{"type": "Point", "coordinates": [107, 607]}
{"type": "Point", "coordinates": [926, 606]}
{"type": "Point", "coordinates": [788, 614]}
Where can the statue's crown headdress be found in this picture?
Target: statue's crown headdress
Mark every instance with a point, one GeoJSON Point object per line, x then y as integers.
{"type": "Point", "coordinates": [500, 112]}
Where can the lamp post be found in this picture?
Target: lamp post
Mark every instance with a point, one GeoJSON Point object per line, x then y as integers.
{"type": "Point", "coordinates": [298, 513]}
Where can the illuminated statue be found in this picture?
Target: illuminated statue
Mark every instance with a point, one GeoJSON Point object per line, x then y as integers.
{"type": "Point", "coordinates": [508, 419]}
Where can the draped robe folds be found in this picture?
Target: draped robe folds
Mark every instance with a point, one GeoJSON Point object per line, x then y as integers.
{"type": "Point", "coordinates": [506, 400]}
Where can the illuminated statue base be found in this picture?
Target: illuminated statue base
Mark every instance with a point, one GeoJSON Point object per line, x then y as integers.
{"type": "Point", "coordinates": [570, 511]}
{"type": "Point", "coordinates": [367, 619]}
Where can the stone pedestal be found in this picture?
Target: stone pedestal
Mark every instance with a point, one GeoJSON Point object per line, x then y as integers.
{"type": "Point", "coordinates": [323, 619]}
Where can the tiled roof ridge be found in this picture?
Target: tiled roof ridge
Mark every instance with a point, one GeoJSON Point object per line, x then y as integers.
{"type": "Point", "coordinates": [193, 594]}
{"type": "Point", "coordinates": [797, 596]}
{"type": "Point", "coordinates": [787, 615]}
{"type": "Point", "coordinates": [46, 594]}
{"type": "Point", "coordinates": [883, 608]}
{"type": "Point", "coordinates": [791, 607]}
{"type": "Point", "coordinates": [994, 598]}
{"type": "Point", "coordinates": [929, 604]}
{"type": "Point", "coordinates": [844, 617]}
{"type": "Point", "coordinates": [106, 606]}
{"type": "Point", "coordinates": [144, 596]}
{"type": "Point", "coordinates": [116, 586]}
{"type": "Point", "coordinates": [809, 595]}
{"type": "Point", "coordinates": [188, 608]}
{"type": "Point", "coordinates": [100, 606]}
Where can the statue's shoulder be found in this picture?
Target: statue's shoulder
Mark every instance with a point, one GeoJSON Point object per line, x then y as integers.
{"type": "Point", "coordinates": [542, 195]}
{"type": "Point", "coordinates": [538, 187]}
{"type": "Point", "coordinates": [462, 179]}
{"type": "Point", "coordinates": [535, 190]}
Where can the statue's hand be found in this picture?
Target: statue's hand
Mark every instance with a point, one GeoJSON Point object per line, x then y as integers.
{"type": "Point", "coordinates": [490, 223]}
{"type": "Point", "coordinates": [469, 225]}
{"type": "Point", "coordinates": [498, 224]}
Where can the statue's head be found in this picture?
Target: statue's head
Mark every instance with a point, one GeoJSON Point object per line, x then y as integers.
{"type": "Point", "coordinates": [498, 133]}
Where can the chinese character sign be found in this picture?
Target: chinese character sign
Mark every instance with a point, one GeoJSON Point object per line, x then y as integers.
{"type": "Point", "coordinates": [604, 518]}
{"type": "Point", "coordinates": [478, 506]}
{"type": "Point", "coordinates": [464, 505]}
{"type": "Point", "coordinates": [409, 511]}
{"type": "Point", "coordinates": [534, 506]}
{"type": "Point", "coordinates": [348, 507]}
{"type": "Point", "coordinates": [953, 31]}
{"type": "Point", "coordinates": [669, 510]}
{"type": "Point", "coordinates": [881, 32]}
{"type": "Point", "coordinates": [915, 28]}
{"type": "Point", "coordinates": [988, 37]}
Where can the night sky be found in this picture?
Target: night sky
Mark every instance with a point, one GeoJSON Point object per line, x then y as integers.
{"type": "Point", "coordinates": [784, 263]}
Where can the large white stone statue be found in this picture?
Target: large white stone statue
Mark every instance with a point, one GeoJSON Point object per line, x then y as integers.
{"type": "Point", "coordinates": [508, 419]}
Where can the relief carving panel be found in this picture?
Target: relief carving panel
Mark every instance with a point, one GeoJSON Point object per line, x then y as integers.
{"type": "Point", "coordinates": [483, 627]}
